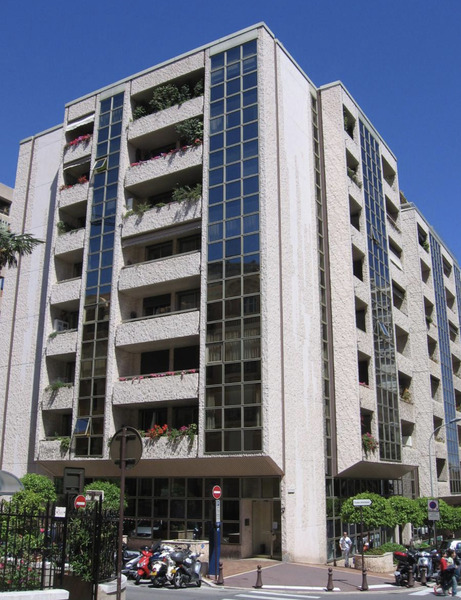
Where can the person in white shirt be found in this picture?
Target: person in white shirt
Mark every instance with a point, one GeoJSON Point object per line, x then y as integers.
{"type": "Point", "coordinates": [345, 543]}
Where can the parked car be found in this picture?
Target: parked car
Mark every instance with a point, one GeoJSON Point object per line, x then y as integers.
{"type": "Point", "coordinates": [451, 545]}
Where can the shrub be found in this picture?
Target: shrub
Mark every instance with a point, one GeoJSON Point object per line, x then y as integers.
{"type": "Point", "coordinates": [392, 547]}
{"type": "Point", "coordinates": [190, 131]}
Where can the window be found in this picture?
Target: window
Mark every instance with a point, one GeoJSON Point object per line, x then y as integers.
{"type": "Point", "coordinates": [398, 297]}
{"type": "Point", "coordinates": [155, 362]}
{"type": "Point", "coordinates": [159, 251]}
{"type": "Point", "coordinates": [190, 243]}
{"type": "Point", "coordinates": [355, 210]}
{"type": "Point", "coordinates": [349, 122]}
{"type": "Point", "coordinates": [189, 300]}
{"type": "Point", "coordinates": [156, 305]}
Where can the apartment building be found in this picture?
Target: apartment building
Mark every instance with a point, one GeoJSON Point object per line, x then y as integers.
{"type": "Point", "coordinates": [228, 254]}
{"type": "Point", "coordinates": [6, 196]}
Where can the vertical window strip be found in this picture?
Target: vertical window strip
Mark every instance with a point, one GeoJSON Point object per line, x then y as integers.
{"type": "Point", "coordinates": [233, 364]}
{"type": "Point", "coordinates": [381, 294]}
{"type": "Point", "coordinates": [446, 365]}
{"type": "Point", "coordinates": [89, 429]}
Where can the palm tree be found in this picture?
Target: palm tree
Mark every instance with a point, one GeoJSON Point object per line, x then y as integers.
{"type": "Point", "coordinates": [13, 245]}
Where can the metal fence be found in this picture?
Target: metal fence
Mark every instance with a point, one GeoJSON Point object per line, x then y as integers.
{"type": "Point", "coordinates": [39, 548]}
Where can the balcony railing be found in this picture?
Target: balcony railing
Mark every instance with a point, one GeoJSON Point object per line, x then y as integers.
{"type": "Point", "coordinates": [172, 385]}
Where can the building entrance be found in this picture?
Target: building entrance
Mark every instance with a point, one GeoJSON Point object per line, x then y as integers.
{"type": "Point", "coordinates": [267, 528]}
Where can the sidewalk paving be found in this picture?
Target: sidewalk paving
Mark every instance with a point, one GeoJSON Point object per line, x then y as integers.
{"type": "Point", "coordinates": [296, 576]}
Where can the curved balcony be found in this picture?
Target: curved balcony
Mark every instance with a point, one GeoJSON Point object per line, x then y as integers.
{"type": "Point", "coordinates": [66, 291]}
{"type": "Point", "coordinates": [78, 151]}
{"type": "Point", "coordinates": [139, 176]}
{"type": "Point", "coordinates": [63, 343]}
{"type": "Point", "coordinates": [135, 335]}
{"type": "Point", "coordinates": [143, 130]}
{"type": "Point", "coordinates": [164, 448]}
{"type": "Point", "coordinates": [60, 399]}
{"type": "Point", "coordinates": [158, 387]}
{"type": "Point", "coordinates": [160, 217]}
{"type": "Point", "coordinates": [150, 273]}
{"type": "Point", "coordinates": [73, 195]}
{"type": "Point", "coordinates": [51, 450]}
{"type": "Point", "coordinates": [70, 241]}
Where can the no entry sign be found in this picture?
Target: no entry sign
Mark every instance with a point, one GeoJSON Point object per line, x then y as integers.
{"type": "Point", "coordinates": [80, 502]}
{"type": "Point", "coordinates": [216, 492]}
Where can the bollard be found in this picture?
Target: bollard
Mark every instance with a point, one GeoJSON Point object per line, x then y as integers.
{"type": "Point", "coordinates": [364, 587]}
{"type": "Point", "coordinates": [423, 578]}
{"type": "Point", "coordinates": [330, 580]}
{"type": "Point", "coordinates": [220, 576]}
{"type": "Point", "coordinates": [411, 581]}
{"type": "Point", "coordinates": [259, 582]}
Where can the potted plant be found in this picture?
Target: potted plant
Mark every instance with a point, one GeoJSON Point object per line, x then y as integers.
{"type": "Point", "coordinates": [369, 443]}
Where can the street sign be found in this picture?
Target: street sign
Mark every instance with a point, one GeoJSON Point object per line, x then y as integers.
{"type": "Point", "coordinates": [133, 447]}
{"type": "Point", "coordinates": [433, 513]}
{"type": "Point", "coordinates": [80, 501]}
{"type": "Point", "coordinates": [361, 502]}
{"type": "Point", "coordinates": [216, 492]}
{"type": "Point", "coordinates": [218, 511]}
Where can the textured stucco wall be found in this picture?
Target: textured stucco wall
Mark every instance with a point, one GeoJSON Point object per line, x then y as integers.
{"type": "Point", "coordinates": [294, 316]}
{"type": "Point", "coordinates": [36, 194]}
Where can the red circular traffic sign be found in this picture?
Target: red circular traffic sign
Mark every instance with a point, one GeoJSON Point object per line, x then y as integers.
{"type": "Point", "coordinates": [80, 502]}
{"type": "Point", "coordinates": [216, 492]}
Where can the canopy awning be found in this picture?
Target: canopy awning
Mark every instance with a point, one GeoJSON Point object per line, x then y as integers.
{"type": "Point", "coordinates": [9, 484]}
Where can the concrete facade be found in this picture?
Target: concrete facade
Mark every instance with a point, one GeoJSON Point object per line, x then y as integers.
{"type": "Point", "coordinates": [248, 311]}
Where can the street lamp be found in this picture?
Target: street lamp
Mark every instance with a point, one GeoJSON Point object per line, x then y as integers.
{"type": "Point", "coordinates": [430, 446]}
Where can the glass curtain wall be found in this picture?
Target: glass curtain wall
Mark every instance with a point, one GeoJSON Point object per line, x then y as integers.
{"type": "Point", "coordinates": [446, 365]}
{"type": "Point", "coordinates": [89, 428]}
{"type": "Point", "coordinates": [233, 349]}
{"type": "Point", "coordinates": [381, 297]}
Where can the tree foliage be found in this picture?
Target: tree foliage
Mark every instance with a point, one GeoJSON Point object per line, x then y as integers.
{"type": "Point", "coordinates": [111, 494]}
{"type": "Point", "coordinates": [407, 511]}
{"type": "Point", "coordinates": [379, 514]}
{"type": "Point", "coordinates": [13, 245]}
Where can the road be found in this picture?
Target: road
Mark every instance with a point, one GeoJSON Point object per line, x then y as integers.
{"type": "Point", "coordinates": [146, 592]}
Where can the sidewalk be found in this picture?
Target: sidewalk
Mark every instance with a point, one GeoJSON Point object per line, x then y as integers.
{"type": "Point", "coordinates": [295, 576]}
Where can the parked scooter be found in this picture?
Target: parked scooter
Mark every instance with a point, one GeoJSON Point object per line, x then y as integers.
{"type": "Point", "coordinates": [406, 564]}
{"type": "Point", "coordinates": [163, 567]}
{"type": "Point", "coordinates": [430, 561]}
{"type": "Point", "coordinates": [130, 560]}
{"type": "Point", "coordinates": [143, 567]}
{"type": "Point", "coordinates": [188, 568]}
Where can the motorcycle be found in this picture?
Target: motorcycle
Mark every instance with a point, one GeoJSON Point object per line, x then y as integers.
{"type": "Point", "coordinates": [163, 567]}
{"type": "Point", "coordinates": [406, 563]}
{"type": "Point", "coordinates": [130, 560]}
{"type": "Point", "coordinates": [188, 568]}
{"type": "Point", "coordinates": [143, 567]}
{"type": "Point", "coordinates": [430, 561]}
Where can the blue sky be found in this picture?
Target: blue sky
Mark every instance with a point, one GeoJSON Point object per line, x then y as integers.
{"type": "Point", "coordinates": [400, 60]}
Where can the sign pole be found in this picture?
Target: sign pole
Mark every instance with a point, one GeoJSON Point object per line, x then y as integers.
{"type": "Point", "coordinates": [122, 508]}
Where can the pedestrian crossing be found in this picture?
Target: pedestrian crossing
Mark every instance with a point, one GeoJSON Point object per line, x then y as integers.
{"type": "Point", "coordinates": [262, 595]}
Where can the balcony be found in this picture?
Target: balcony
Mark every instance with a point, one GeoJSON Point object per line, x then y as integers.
{"type": "Point", "coordinates": [367, 397]}
{"type": "Point", "coordinates": [160, 217]}
{"type": "Point", "coordinates": [62, 343]}
{"type": "Point", "coordinates": [143, 130]}
{"type": "Point", "coordinates": [51, 450]}
{"type": "Point", "coordinates": [70, 241]}
{"type": "Point", "coordinates": [73, 195]}
{"type": "Point", "coordinates": [79, 148]}
{"type": "Point", "coordinates": [139, 334]}
{"type": "Point", "coordinates": [163, 448]}
{"type": "Point", "coordinates": [59, 399]}
{"type": "Point", "coordinates": [163, 270]}
{"type": "Point", "coordinates": [158, 387]}
{"type": "Point", "coordinates": [140, 176]}
{"type": "Point", "coordinates": [66, 291]}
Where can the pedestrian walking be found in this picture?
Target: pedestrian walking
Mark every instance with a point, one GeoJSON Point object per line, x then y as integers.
{"type": "Point", "coordinates": [345, 543]}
